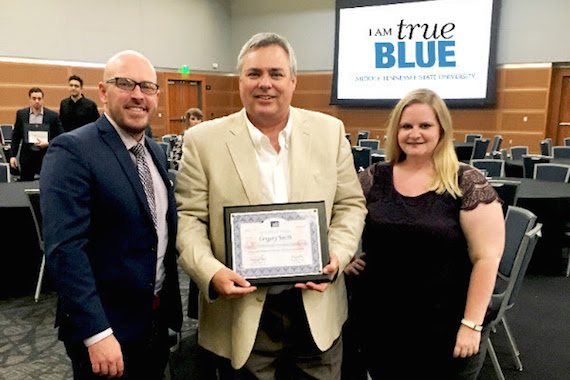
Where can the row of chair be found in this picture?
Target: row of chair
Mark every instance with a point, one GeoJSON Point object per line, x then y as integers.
{"type": "Point", "coordinates": [540, 168]}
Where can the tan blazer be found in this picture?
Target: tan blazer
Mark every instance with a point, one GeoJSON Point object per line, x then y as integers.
{"type": "Point", "coordinates": [219, 168]}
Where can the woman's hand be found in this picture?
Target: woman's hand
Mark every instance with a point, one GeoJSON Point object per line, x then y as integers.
{"type": "Point", "coordinates": [356, 266]}
{"type": "Point", "coordinates": [467, 343]}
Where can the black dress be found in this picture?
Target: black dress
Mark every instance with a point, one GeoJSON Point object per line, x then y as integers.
{"type": "Point", "coordinates": [412, 294]}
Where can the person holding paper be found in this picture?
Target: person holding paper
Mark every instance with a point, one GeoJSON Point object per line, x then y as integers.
{"type": "Point", "coordinates": [110, 229]}
{"type": "Point", "coordinates": [34, 128]}
{"type": "Point", "coordinates": [267, 153]}
{"type": "Point", "coordinates": [433, 241]}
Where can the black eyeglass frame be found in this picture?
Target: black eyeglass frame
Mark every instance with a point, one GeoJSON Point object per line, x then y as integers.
{"type": "Point", "coordinates": [132, 83]}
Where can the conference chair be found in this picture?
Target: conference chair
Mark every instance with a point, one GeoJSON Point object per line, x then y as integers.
{"type": "Point", "coordinates": [503, 154]}
{"type": "Point", "coordinates": [561, 151]}
{"type": "Point", "coordinates": [521, 234]}
{"type": "Point", "coordinates": [518, 151]}
{"type": "Point", "coordinates": [6, 133]}
{"type": "Point", "coordinates": [347, 135]}
{"type": "Point", "coordinates": [494, 168]}
{"type": "Point", "coordinates": [480, 149]}
{"type": "Point", "coordinates": [362, 135]}
{"type": "Point", "coordinates": [507, 190]}
{"type": "Point", "coordinates": [546, 147]}
{"type": "Point", "coordinates": [33, 196]}
{"type": "Point", "coordinates": [495, 146]}
{"type": "Point", "coordinates": [4, 172]}
{"type": "Point", "coordinates": [567, 141]}
{"type": "Point", "coordinates": [361, 157]}
{"type": "Point", "coordinates": [369, 143]}
{"type": "Point", "coordinates": [552, 172]}
{"type": "Point", "coordinates": [377, 155]}
{"type": "Point", "coordinates": [472, 136]}
{"type": "Point", "coordinates": [528, 164]}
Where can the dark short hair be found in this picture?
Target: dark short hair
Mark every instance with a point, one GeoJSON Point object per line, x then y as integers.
{"type": "Point", "coordinates": [35, 89]}
{"type": "Point", "coordinates": [77, 78]}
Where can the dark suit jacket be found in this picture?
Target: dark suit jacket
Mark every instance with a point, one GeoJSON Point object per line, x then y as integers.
{"type": "Point", "coordinates": [23, 117]}
{"type": "Point", "coordinates": [100, 241]}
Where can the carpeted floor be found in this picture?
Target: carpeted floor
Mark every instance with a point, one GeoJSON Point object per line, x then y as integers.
{"type": "Point", "coordinates": [540, 322]}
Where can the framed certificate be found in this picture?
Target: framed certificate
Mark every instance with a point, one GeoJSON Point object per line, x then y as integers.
{"type": "Point", "coordinates": [278, 243]}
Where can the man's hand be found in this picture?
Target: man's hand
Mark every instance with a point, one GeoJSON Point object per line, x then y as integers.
{"type": "Point", "coordinates": [331, 269]}
{"type": "Point", "coordinates": [14, 162]}
{"type": "Point", "coordinates": [107, 358]}
{"type": "Point", "coordinates": [229, 284]}
{"type": "Point", "coordinates": [42, 144]}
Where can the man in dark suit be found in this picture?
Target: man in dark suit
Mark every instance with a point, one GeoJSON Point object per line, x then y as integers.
{"type": "Point", "coordinates": [109, 228]}
{"type": "Point", "coordinates": [34, 128]}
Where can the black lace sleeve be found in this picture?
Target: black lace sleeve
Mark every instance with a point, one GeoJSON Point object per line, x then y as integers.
{"type": "Point", "coordinates": [475, 188]}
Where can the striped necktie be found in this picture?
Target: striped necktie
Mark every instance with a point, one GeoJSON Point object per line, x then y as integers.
{"type": "Point", "coordinates": [145, 177]}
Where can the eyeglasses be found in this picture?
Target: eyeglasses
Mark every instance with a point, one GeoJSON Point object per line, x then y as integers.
{"type": "Point", "coordinates": [128, 84]}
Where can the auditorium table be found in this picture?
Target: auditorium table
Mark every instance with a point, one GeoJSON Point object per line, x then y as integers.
{"type": "Point", "coordinates": [550, 202]}
{"type": "Point", "coordinates": [21, 253]}
{"type": "Point", "coordinates": [515, 168]}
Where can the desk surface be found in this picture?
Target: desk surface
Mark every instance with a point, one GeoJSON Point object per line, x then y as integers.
{"type": "Point", "coordinates": [531, 188]}
{"type": "Point", "coordinates": [12, 194]}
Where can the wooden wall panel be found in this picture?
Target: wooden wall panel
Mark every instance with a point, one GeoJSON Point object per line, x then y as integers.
{"type": "Point", "coordinates": [520, 115]}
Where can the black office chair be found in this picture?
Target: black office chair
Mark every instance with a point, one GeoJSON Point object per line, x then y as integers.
{"type": "Point", "coordinates": [546, 147]}
{"type": "Point", "coordinates": [480, 149]}
{"type": "Point", "coordinates": [494, 168]}
{"type": "Point", "coordinates": [529, 162]}
{"type": "Point", "coordinates": [521, 236]}
{"type": "Point", "coordinates": [369, 143]}
{"type": "Point", "coordinates": [347, 135]}
{"type": "Point", "coordinates": [362, 135]}
{"type": "Point", "coordinates": [552, 172]}
{"type": "Point", "coordinates": [6, 131]}
{"type": "Point", "coordinates": [507, 190]}
{"type": "Point", "coordinates": [518, 151]}
{"type": "Point", "coordinates": [471, 137]}
{"type": "Point", "coordinates": [495, 146]}
{"type": "Point", "coordinates": [5, 172]}
{"type": "Point", "coordinates": [561, 151]}
{"type": "Point", "coordinates": [361, 157]}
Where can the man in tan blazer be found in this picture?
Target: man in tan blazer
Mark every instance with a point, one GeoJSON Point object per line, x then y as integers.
{"type": "Point", "coordinates": [269, 152]}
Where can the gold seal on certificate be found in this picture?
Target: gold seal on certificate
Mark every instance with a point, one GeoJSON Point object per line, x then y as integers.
{"type": "Point", "coordinates": [278, 243]}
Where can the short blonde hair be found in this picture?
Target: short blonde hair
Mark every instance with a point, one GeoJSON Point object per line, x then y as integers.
{"type": "Point", "coordinates": [444, 157]}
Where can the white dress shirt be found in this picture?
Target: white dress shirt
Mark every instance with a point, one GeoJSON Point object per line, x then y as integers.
{"type": "Point", "coordinates": [274, 166]}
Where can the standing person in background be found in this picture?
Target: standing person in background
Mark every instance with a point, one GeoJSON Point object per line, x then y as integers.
{"type": "Point", "coordinates": [269, 152]}
{"type": "Point", "coordinates": [433, 241]}
{"type": "Point", "coordinates": [34, 128]}
{"type": "Point", "coordinates": [76, 110]}
{"type": "Point", "coordinates": [110, 229]}
{"type": "Point", "coordinates": [193, 117]}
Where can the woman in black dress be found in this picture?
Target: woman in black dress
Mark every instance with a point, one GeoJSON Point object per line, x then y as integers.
{"type": "Point", "coordinates": [433, 240]}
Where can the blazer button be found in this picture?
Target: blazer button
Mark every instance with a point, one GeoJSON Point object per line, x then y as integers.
{"type": "Point", "coordinates": [259, 299]}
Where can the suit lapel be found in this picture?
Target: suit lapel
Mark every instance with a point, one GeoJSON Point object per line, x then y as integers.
{"type": "Point", "coordinates": [300, 157]}
{"type": "Point", "coordinates": [113, 140]}
{"type": "Point", "coordinates": [242, 153]}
